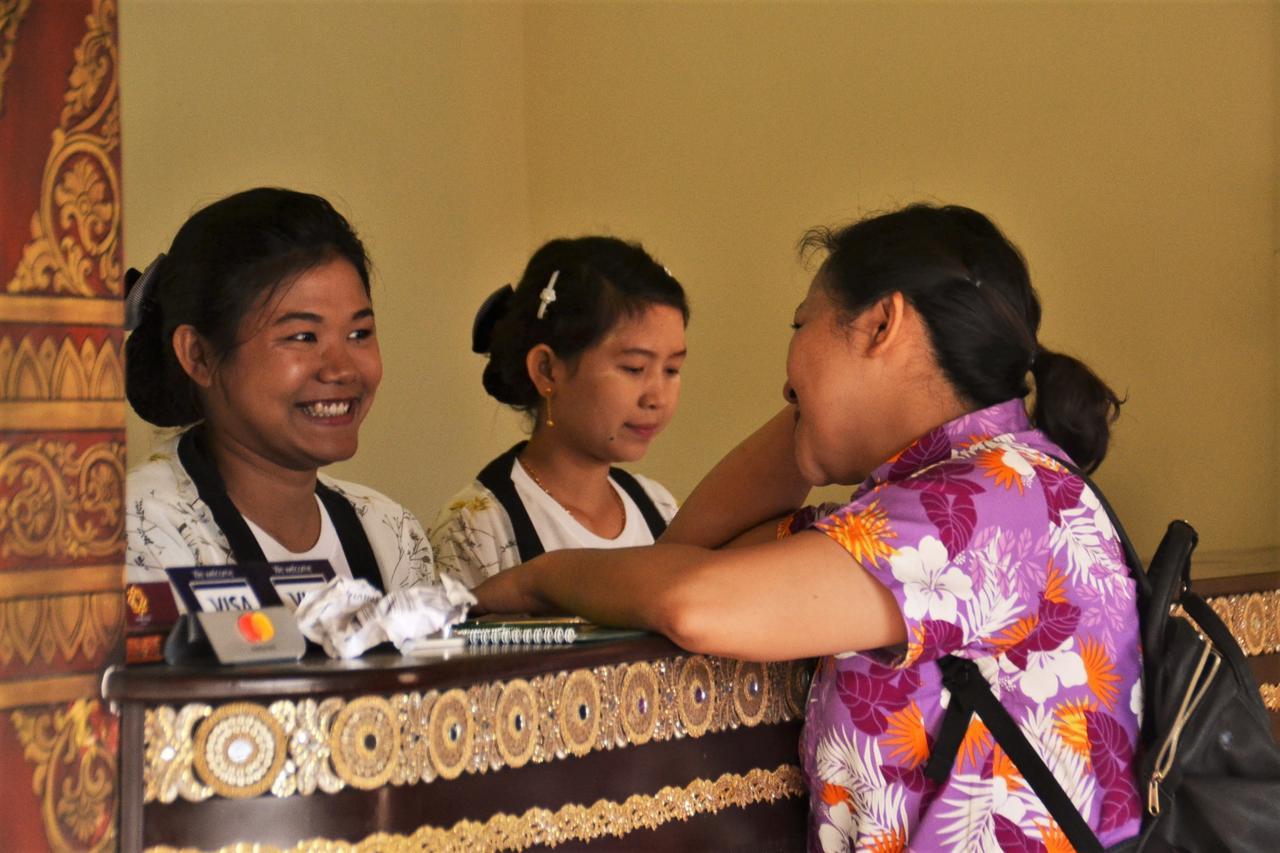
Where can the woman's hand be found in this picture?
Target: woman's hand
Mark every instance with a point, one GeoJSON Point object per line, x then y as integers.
{"type": "Point", "coordinates": [509, 592]}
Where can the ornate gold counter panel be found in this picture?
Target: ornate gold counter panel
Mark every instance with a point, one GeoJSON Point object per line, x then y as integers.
{"type": "Point", "coordinates": [477, 751]}
{"type": "Point", "coordinates": [288, 748]}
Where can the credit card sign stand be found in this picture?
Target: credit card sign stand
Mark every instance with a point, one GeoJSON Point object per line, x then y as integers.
{"type": "Point", "coordinates": [242, 612]}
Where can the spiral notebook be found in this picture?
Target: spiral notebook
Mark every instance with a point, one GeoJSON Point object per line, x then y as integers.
{"type": "Point", "coordinates": [537, 631]}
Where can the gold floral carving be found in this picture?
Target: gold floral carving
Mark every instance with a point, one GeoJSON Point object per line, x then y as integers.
{"type": "Point", "coordinates": [56, 501]}
{"type": "Point", "coordinates": [540, 827]}
{"type": "Point", "coordinates": [11, 12]}
{"type": "Point", "coordinates": [56, 370]}
{"type": "Point", "coordinates": [75, 235]}
{"type": "Point", "coordinates": [1254, 620]}
{"type": "Point", "coordinates": [60, 627]}
{"type": "Point", "coordinates": [413, 738]}
{"type": "Point", "coordinates": [1271, 697]}
{"type": "Point", "coordinates": [73, 750]}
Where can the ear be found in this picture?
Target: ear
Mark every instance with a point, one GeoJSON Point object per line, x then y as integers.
{"type": "Point", "coordinates": [543, 367]}
{"type": "Point", "coordinates": [884, 321]}
{"type": "Point", "coordinates": [194, 354]}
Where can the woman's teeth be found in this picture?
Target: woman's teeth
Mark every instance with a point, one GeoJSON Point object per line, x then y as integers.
{"type": "Point", "coordinates": [328, 410]}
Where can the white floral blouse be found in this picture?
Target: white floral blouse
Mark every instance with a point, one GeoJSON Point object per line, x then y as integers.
{"type": "Point", "coordinates": [168, 525]}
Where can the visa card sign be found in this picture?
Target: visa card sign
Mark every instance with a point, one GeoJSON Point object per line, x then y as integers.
{"type": "Point", "coordinates": [247, 586]}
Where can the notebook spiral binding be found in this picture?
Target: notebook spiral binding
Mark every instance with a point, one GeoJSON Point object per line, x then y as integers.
{"type": "Point", "coordinates": [508, 636]}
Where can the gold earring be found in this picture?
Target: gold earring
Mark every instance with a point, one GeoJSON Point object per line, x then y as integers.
{"type": "Point", "coordinates": [547, 395]}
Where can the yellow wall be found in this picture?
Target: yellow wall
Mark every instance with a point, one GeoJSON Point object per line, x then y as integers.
{"type": "Point", "coordinates": [1129, 149]}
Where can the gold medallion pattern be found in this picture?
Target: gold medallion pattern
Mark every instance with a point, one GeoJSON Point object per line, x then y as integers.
{"type": "Point", "coordinates": [579, 712]}
{"type": "Point", "coordinates": [750, 692]}
{"type": "Point", "coordinates": [696, 695]}
{"type": "Point", "coordinates": [73, 750]}
{"type": "Point", "coordinates": [796, 686]}
{"type": "Point", "coordinates": [639, 703]}
{"type": "Point", "coordinates": [239, 750]}
{"type": "Point", "coordinates": [540, 827]}
{"type": "Point", "coordinates": [365, 741]}
{"type": "Point", "coordinates": [516, 723]}
{"type": "Point", "coordinates": [451, 729]}
{"type": "Point", "coordinates": [484, 727]}
{"type": "Point", "coordinates": [1254, 620]}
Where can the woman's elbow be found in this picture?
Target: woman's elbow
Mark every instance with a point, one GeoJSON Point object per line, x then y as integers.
{"type": "Point", "coordinates": [688, 616]}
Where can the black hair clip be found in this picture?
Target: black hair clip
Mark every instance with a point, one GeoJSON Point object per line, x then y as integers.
{"type": "Point", "coordinates": [491, 311]}
{"type": "Point", "coordinates": [138, 287]}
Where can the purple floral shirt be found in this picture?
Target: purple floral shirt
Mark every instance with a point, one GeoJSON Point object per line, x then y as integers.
{"type": "Point", "coordinates": [993, 552]}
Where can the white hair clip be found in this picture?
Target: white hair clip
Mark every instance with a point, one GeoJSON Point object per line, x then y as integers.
{"type": "Point", "coordinates": [548, 295]}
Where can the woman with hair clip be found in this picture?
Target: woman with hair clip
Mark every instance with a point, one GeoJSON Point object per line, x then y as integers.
{"type": "Point", "coordinates": [966, 536]}
{"type": "Point", "coordinates": [254, 334]}
{"type": "Point", "coordinates": [589, 346]}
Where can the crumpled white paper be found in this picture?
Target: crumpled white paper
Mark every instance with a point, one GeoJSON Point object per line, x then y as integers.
{"type": "Point", "coordinates": [348, 617]}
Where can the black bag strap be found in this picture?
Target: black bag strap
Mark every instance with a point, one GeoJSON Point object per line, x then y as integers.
{"type": "Point", "coordinates": [630, 485]}
{"type": "Point", "coordinates": [496, 477]}
{"type": "Point", "coordinates": [244, 545]}
{"type": "Point", "coordinates": [971, 694]}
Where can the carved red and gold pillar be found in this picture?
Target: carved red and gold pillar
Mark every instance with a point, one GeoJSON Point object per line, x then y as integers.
{"type": "Point", "coordinates": [62, 444]}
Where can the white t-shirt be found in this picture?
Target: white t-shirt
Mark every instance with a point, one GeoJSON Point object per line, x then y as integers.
{"type": "Point", "coordinates": [327, 547]}
{"type": "Point", "coordinates": [473, 539]}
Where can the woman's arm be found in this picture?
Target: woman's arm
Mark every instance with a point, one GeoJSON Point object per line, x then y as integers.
{"type": "Point", "coordinates": [757, 482]}
{"type": "Point", "coordinates": [798, 597]}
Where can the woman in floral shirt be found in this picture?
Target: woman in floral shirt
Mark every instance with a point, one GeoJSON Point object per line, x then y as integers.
{"type": "Point", "coordinates": [906, 374]}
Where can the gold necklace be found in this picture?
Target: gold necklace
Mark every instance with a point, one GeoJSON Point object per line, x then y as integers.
{"type": "Point", "coordinates": [622, 508]}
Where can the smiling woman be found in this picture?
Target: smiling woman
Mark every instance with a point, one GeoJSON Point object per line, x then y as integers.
{"type": "Point", "coordinates": [256, 333]}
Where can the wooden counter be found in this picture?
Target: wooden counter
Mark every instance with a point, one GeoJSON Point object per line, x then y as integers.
{"type": "Point", "coordinates": [630, 745]}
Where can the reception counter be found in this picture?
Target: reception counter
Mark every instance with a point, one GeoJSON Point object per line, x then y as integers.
{"type": "Point", "coordinates": [625, 745]}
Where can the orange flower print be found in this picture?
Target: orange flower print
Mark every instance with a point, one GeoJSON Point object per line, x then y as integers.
{"type": "Point", "coordinates": [1005, 465]}
{"type": "Point", "coordinates": [1016, 633]}
{"type": "Point", "coordinates": [976, 742]}
{"type": "Point", "coordinates": [836, 794]}
{"type": "Point", "coordinates": [1073, 726]}
{"type": "Point", "coordinates": [890, 841]}
{"type": "Point", "coordinates": [1055, 588]}
{"type": "Point", "coordinates": [1053, 838]}
{"type": "Point", "coordinates": [905, 736]}
{"type": "Point", "coordinates": [1100, 672]}
{"type": "Point", "coordinates": [1003, 767]}
{"type": "Point", "coordinates": [862, 534]}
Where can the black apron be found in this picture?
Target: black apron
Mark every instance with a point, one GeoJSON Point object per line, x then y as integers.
{"type": "Point", "coordinates": [496, 477]}
{"type": "Point", "coordinates": [245, 548]}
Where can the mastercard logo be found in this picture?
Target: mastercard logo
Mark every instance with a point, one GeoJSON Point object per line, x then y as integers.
{"type": "Point", "coordinates": [255, 627]}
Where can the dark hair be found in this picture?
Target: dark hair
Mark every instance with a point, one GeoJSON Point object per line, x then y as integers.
{"type": "Point", "coordinates": [601, 280]}
{"type": "Point", "coordinates": [224, 260]}
{"type": "Point", "coordinates": [971, 286]}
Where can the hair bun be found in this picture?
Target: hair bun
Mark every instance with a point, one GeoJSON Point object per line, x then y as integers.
{"type": "Point", "coordinates": [491, 311]}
